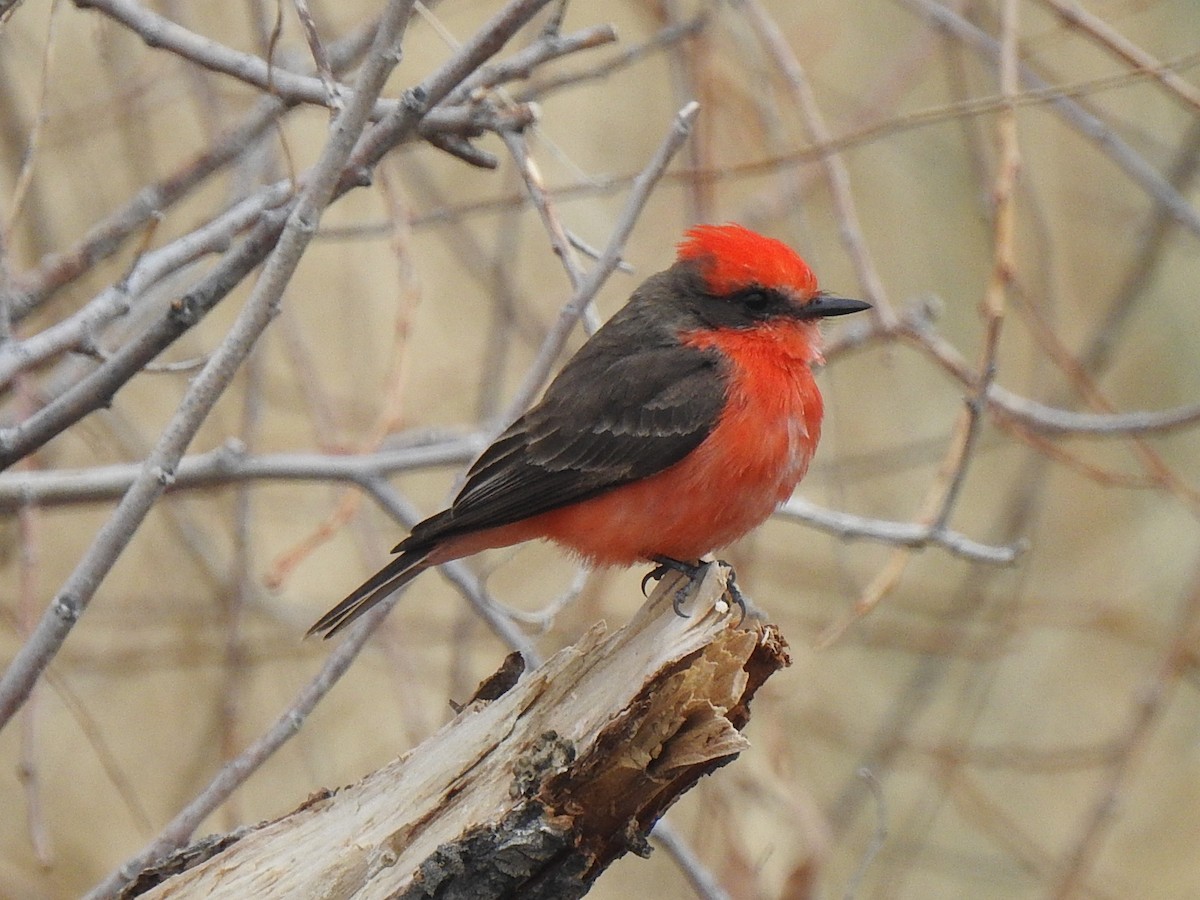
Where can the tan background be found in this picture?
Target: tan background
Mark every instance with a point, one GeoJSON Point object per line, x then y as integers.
{"type": "Point", "coordinates": [1034, 730]}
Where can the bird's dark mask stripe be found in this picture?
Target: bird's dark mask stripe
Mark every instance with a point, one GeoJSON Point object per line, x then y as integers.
{"type": "Point", "coordinates": [755, 303]}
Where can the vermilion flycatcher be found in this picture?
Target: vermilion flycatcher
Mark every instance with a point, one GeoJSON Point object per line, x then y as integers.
{"type": "Point", "coordinates": [678, 426]}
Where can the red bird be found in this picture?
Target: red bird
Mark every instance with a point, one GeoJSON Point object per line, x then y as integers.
{"type": "Point", "coordinates": [678, 427]}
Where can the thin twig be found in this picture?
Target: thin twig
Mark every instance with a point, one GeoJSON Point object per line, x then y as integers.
{"type": "Point", "coordinates": [560, 240]}
{"type": "Point", "coordinates": [1146, 709]}
{"type": "Point", "coordinates": [30, 156]}
{"type": "Point", "coordinates": [702, 880]}
{"type": "Point", "coordinates": [1123, 48]}
{"type": "Point", "coordinates": [662, 39]}
{"type": "Point", "coordinates": [333, 93]}
{"type": "Point", "coordinates": [556, 339]}
{"type": "Point", "coordinates": [878, 837]}
{"type": "Point", "coordinates": [114, 302]}
{"type": "Point", "coordinates": [56, 270]}
{"type": "Point", "coordinates": [836, 174]}
{"type": "Point", "coordinates": [905, 534]}
{"type": "Point", "coordinates": [542, 202]}
{"type": "Point", "coordinates": [1092, 127]}
{"type": "Point", "coordinates": [685, 61]}
{"type": "Point", "coordinates": [28, 767]}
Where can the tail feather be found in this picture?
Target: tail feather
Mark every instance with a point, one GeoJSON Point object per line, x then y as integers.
{"type": "Point", "coordinates": [399, 572]}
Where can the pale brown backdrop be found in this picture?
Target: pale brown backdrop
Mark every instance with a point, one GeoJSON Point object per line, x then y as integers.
{"type": "Point", "coordinates": [1031, 729]}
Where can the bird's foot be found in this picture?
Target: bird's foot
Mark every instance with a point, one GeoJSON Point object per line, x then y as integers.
{"type": "Point", "coordinates": [694, 572]}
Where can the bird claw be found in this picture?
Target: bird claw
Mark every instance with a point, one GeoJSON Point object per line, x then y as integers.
{"type": "Point", "coordinates": [654, 574]}
{"type": "Point", "coordinates": [678, 600]}
{"type": "Point", "coordinates": [694, 572]}
{"type": "Point", "coordinates": [736, 595]}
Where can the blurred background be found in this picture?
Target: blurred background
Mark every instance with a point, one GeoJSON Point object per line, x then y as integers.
{"type": "Point", "coordinates": [1015, 715]}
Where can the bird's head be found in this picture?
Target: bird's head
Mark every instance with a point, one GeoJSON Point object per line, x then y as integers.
{"type": "Point", "coordinates": [756, 278]}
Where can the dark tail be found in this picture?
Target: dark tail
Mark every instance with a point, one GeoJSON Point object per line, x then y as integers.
{"type": "Point", "coordinates": [399, 572]}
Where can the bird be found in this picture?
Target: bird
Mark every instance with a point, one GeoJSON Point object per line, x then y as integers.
{"type": "Point", "coordinates": [676, 428]}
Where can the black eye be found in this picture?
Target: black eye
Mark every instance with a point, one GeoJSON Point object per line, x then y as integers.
{"type": "Point", "coordinates": [756, 301]}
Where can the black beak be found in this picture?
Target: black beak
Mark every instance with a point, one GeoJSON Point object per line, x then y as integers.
{"type": "Point", "coordinates": [823, 305]}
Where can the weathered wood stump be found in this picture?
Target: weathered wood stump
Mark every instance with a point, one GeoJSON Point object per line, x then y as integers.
{"type": "Point", "coordinates": [536, 792]}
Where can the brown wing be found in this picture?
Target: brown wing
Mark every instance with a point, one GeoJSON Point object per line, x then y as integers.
{"type": "Point", "coordinates": [606, 420]}
{"type": "Point", "coordinates": [609, 418]}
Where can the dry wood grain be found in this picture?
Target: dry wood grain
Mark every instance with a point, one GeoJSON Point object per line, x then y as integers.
{"type": "Point", "coordinates": [533, 793]}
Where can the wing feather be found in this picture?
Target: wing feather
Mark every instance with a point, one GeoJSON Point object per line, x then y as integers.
{"type": "Point", "coordinates": [608, 419]}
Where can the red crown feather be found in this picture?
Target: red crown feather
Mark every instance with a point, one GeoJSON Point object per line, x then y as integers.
{"type": "Point", "coordinates": [732, 257]}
